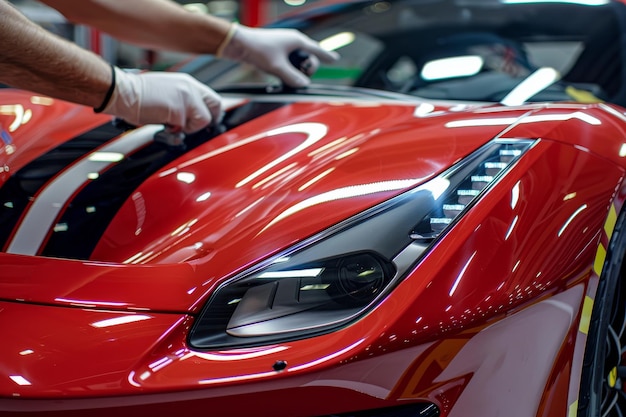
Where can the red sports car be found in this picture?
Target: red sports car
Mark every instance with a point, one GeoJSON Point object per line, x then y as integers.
{"type": "Point", "coordinates": [435, 227]}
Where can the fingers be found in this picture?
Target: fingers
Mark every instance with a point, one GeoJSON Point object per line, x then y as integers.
{"type": "Point", "coordinates": [203, 109]}
{"type": "Point", "coordinates": [314, 49]}
{"type": "Point", "coordinates": [174, 99]}
{"type": "Point", "coordinates": [214, 104]}
{"type": "Point", "coordinates": [269, 49]}
{"type": "Point", "coordinates": [292, 76]}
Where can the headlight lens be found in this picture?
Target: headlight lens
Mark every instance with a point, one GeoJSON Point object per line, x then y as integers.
{"type": "Point", "coordinates": [337, 276]}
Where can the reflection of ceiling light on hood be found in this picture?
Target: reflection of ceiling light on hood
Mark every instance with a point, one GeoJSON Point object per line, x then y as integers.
{"type": "Point", "coordinates": [332, 43]}
{"type": "Point", "coordinates": [43, 101]}
{"type": "Point", "coordinates": [457, 66]}
{"type": "Point", "coordinates": [20, 380]}
{"type": "Point", "coordinates": [186, 177]}
{"type": "Point", "coordinates": [295, 2]}
{"type": "Point", "coordinates": [106, 156]}
{"type": "Point", "coordinates": [131, 318]}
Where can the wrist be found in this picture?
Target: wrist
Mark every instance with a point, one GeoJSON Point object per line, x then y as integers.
{"type": "Point", "coordinates": [109, 93]}
{"type": "Point", "coordinates": [227, 39]}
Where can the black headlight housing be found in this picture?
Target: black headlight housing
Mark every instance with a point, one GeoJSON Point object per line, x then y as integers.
{"type": "Point", "coordinates": [337, 276]}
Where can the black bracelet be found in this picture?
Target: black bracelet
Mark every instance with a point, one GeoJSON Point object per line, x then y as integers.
{"type": "Point", "coordinates": [109, 94]}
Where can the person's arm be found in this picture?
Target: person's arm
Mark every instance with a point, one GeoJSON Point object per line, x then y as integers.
{"type": "Point", "coordinates": [153, 24]}
{"type": "Point", "coordinates": [32, 58]}
{"type": "Point", "coordinates": [165, 25]}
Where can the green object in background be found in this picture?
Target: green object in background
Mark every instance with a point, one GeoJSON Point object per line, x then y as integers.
{"type": "Point", "coordinates": [330, 73]}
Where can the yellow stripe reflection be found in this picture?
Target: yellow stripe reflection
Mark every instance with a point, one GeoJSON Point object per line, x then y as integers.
{"type": "Point", "coordinates": [585, 317]}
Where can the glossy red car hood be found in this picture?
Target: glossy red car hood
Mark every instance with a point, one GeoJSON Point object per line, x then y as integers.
{"type": "Point", "coordinates": [271, 179]}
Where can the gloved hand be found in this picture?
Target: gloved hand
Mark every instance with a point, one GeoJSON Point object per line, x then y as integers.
{"type": "Point", "coordinates": [174, 99]}
{"type": "Point", "coordinates": [269, 49]}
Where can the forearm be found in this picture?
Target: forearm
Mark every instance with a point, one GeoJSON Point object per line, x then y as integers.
{"type": "Point", "coordinates": [33, 59]}
{"type": "Point", "coordinates": [157, 24]}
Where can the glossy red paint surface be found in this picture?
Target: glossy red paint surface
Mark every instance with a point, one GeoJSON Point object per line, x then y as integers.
{"type": "Point", "coordinates": [242, 223]}
{"type": "Point", "coordinates": [36, 124]}
{"type": "Point", "coordinates": [500, 296]}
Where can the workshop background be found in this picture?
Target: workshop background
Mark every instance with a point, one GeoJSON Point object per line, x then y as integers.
{"type": "Point", "coordinates": [247, 12]}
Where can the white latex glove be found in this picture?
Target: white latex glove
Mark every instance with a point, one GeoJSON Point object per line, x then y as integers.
{"type": "Point", "coordinates": [269, 49]}
{"type": "Point", "coordinates": [174, 99]}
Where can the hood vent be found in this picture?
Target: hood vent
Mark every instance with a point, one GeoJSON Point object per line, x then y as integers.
{"type": "Point", "coordinates": [84, 218]}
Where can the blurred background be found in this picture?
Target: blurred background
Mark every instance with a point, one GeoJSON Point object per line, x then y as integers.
{"type": "Point", "coordinates": [247, 12]}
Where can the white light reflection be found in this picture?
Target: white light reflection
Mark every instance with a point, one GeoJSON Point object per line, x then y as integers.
{"type": "Point", "coordinates": [339, 40]}
{"type": "Point", "coordinates": [437, 186]}
{"type": "Point", "coordinates": [309, 273]}
{"type": "Point", "coordinates": [571, 218]}
{"type": "Point", "coordinates": [316, 179]}
{"type": "Point", "coordinates": [160, 364]}
{"type": "Point", "coordinates": [622, 150]}
{"type": "Point", "coordinates": [315, 132]}
{"type": "Point", "coordinates": [511, 227]}
{"type": "Point", "coordinates": [116, 321]}
{"type": "Point", "coordinates": [27, 352]}
{"type": "Point", "coordinates": [186, 177]}
{"type": "Point", "coordinates": [531, 85]}
{"type": "Point", "coordinates": [131, 379]}
{"type": "Point", "coordinates": [515, 195]}
{"type": "Point", "coordinates": [346, 154]}
{"type": "Point", "coordinates": [101, 156]}
{"type": "Point", "coordinates": [42, 101]}
{"type": "Point", "coordinates": [16, 110]}
{"type": "Point", "coordinates": [347, 192]}
{"type": "Point", "coordinates": [458, 66]}
{"type": "Point", "coordinates": [248, 208]}
{"type": "Point", "coordinates": [569, 196]}
{"type": "Point", "coordinates": [235, 355]}
{"type": "Point", "coordinates": [333, 144]}
{"type": "Point", "coordinates": [326, 358]}
{"type": "Point", "coordinates": [184, 228]}
{"type": "Point", "coordinates": [133, 258]}
{"type": "Point", "coordinates": [423, 110]}
{"type": "Point", "coordinates": [89, 303]}
{"type": "Point", "coordinates": [504, 121]}
{"type": "Point", "coordinates": [458, 279]}
{"type": "Point", "coordinates": [203, 197]}
{"type": "Point", "coordinates": [274, 175]}
{"type": "Point", "coordinates": [235, 378]}
{"type": "Point", "coordinates": [20, 380]}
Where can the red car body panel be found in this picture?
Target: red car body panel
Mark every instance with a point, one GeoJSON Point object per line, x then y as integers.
{"type": "Point", "coordinates": [464, 319]}
{"type": "Point", "coordinates": [456, 335]}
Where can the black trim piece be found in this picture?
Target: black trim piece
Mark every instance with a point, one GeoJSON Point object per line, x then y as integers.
{"type": "Point", "coordinates": [22, 186]}
{"type": "Point", "coordinates": [408, 410]}
{"type": "Point", "coordinates": [87, 217]}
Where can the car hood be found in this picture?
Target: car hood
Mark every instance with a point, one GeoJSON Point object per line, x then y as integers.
{"type": "Point", "coordinates": [133, 224]}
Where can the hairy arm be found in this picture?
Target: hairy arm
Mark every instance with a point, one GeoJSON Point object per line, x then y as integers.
{"type": "Point", "coordinates": [33, 59]}
{"type": "Point", "coordinates": [154, 24]}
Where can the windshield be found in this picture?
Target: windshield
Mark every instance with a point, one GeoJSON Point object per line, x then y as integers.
{"type": "Point", "coordinates": [476, 50]}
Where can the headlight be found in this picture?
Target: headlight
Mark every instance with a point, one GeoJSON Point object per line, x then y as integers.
{"type": "Point", "coordinates": [337, 276]}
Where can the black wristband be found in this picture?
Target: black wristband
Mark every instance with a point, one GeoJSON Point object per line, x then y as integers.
{"type": "Point", "coordinates": [109, 94]}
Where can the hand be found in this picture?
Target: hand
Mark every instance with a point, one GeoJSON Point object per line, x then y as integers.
{"type": "Point", "coordinates": [174, 99]}
{"type": "Point", "coordinates": [269, 49]}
